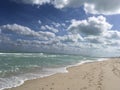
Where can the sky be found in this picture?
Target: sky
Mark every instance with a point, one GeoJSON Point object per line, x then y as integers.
{"type": "Point", "coordinates": [82, 27]}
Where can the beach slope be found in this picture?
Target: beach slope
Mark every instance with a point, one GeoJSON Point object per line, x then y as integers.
{"type": "Point", "coordinates": [104, 75]}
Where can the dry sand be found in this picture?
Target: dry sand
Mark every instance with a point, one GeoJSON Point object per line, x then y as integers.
{"type": "Point", "coordinates": [104, 75]}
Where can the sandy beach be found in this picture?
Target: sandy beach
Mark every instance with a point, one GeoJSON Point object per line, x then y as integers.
{"type": "Point", "coordinates": [103, 75]}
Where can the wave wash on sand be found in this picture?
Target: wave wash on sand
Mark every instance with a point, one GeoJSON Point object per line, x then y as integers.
{"type": "Point", "coordinates": [104, 75]}
{"type": "Point", "coordinates": [16, 68]}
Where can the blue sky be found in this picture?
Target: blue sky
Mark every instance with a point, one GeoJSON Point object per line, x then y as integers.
{"type": "Point", "coordinates": [60, 26]}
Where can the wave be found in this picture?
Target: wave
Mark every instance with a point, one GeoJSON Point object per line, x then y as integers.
{"type": "Point", "coordinates": [16, 81]}
{"type": "Point", "coordinates": [24, 54]}
{"type": "Point", "coordinates": [29, 55]}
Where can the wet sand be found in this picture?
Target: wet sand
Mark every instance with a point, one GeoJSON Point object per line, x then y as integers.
{"type": "Point", "coordinates": [104, 75]}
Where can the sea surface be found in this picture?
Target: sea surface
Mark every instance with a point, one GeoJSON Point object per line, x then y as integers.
{"type": "Point", "coordinates": [15, 68]}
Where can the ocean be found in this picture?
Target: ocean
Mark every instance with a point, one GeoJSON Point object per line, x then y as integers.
{"type": "Point", "coordinates": [15, 68]}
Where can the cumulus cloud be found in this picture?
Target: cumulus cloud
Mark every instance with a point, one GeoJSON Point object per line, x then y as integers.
{"type": "Point", "coordinates": [56, 24]}
{"type": "Point", "coordinates": [39, 2]}
{"type": "Point", "coordinates": [96, 32]}
{"type": "Point", "coordinates": [56, 3]}
{"type": "Point", "coordinates": [95, 39]}
{"type": "Point", "coordinates": [50, 28]}
{"type": "Point", "coordinates": [70, 38]}
{"type": "Point", "coordinates": [106, 7]}
{"type": "Point", "coordinates": [40, 22]}
{"type": "Point", "coordinates": [112, 34]}
{"type": "Point", "coordinates": [18, 29]}
{"type": "Point", "coordinates": [25, 31]}
{"type": "Point", "coordinates": [91, 26]}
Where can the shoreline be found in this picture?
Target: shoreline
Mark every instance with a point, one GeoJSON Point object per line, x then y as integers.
{"type": "Point", "coordinates": [69, 69]}
{"type": "Point", "coordinates": [60, 70]}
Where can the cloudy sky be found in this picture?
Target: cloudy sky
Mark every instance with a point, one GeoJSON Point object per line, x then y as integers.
{"type": "Point", "coordinates": [85, 27]}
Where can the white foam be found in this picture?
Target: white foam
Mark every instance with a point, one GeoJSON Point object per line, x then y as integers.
{"type": "Point", "coordinates": [86, 61]}
{"type": "Point", "coordinates": [16, 81]}
{"type": "Point", "coordinates": [1, 53]}
{"type": "Point", "coordinates": [10, 82]}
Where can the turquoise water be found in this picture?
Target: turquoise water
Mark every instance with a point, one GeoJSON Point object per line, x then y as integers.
{"type": "Point", "coordinates": [15, 68]}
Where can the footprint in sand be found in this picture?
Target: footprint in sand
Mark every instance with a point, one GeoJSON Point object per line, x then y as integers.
{"type": "Point", "coordinates": [47, 85]}
{"type": "Point", "coordinates": [99, 88]}
{"type": "Point", "coordinates": [51, 88]}
{"type": "Point", "coordinates": [52, 83]}
{"type": "Point", "coordinates": [84, 88]}
{"type": "Point", "coordinates": [68, 88]}
{"type": "Point", "coordinates": [42, 88]}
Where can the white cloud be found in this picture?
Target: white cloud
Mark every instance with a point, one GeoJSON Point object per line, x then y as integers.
{"type": "Point", "coordinates": [95, 39]}
{"type": "Point", "coordinates": [46, 34]}
{"type": "Point", "coordinates": [106, 7]}
{"type": "Point", "coordinates": [112, 34]}
{"type": "Point", "coordinates": [96, 33]}
{"type": "Point", "coordinates": [91, 26]}
{"type": "Point", "coordinates": [4, 39]}
{"type": "Point", "coordinates": [56, 24]}
{"type": "Point", "coordinates": [18, 29]}
{"type": "Point", "coordinates": [70, 38]}
{"type": "Point", "coordinates": [60, 3]}
{"type": "Point", "coordinates": [25, 31]}
{"type": "Point", "coordinates": [43, 28]}
{"type": "Point", "coordinates": [38, 2]}
{"type": "Point", "coordinates": [50, 28]}
{"type": "Point", "coordinates": [40, 22]}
